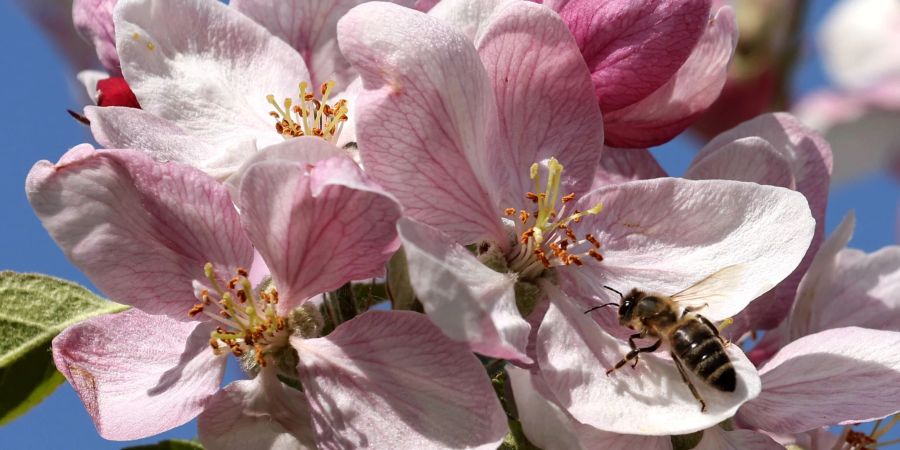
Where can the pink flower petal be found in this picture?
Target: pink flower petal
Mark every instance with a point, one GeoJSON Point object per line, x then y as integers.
{"type": "Point", "coordinates": [317, 226]}
{"type": "Point", "coordinates": [468, 301]}
{"type": "Point", "coordinates": [820, 270]}
{"type": "Point", "coordinates": [544, 98]}
{"type": "Point", "coordinates": [311, 28]}
{"type": "Point", "coordinates": [673, 107]}
{"type": "Point", "coordinates": [423, 117]}
{"type": "Point", "coordinates": [548, 427]}
{"type": "Point", "coordinates": [574, 353]}
{"type": "Point", "coordinates": [618, 165]}
{"type": "Point", "coordinates": [834, 376]}
{"type": "Point", "coordinates": [667, 234]}
{"type": "Point", "coordinates": [716, 438]}
{"type": "Point", "coordinates": [161, 139]}
{"type": "Point", "coordinates": [137, 374]}
{"type": "Point", "coordinates": [93, 20]}
{"type": "Point", "coordinates": [212, 84]}
{"type": "Point", "coordinates": [257, 413]}
{"type": "Point", "coordinates": [303, 150]}
{"type": "Point", "coordinates": [808, 158]}
{"type": "Point", "coordinates": [634, 47]}
{"type": "Point", "coordinates": [470, 17]}
{"type": "Point", "coordinates": [391, 379]}
{"type": "Point", "coordinates": [749, 158]}
{"type": "Point", "coordinates": [141, 231]}
{"type": "Point", "coordinates": [849, 288]}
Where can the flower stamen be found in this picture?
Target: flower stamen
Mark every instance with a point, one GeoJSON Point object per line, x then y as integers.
{"type": "Point", "coordinates": [544, 236]}
{"type": "Point", "coordinates": [310, 116]}
{"type": "Point", "coordinates": [248, 319]}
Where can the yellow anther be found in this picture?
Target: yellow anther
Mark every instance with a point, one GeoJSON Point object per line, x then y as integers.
{"type": "Point", "coordinates": [309, 116]}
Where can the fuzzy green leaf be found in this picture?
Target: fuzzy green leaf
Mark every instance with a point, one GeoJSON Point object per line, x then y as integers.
{"type": "Point", "coordinates": [171, 444]}
{"type": "Point", "coordinates": [34, 308]}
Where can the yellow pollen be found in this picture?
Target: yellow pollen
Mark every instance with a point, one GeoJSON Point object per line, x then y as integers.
{"type": "Point", "coordinates": [544, 236]}
{"type": "Point", "coordinates": [310, 116]}
{"type": "Point", "coordinates": [248, 320]}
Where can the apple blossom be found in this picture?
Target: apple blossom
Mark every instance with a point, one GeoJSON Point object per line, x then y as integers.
{"type": "Point", "coordinates": [167, 240]}
{"type": "Point", "coordinates": [209, 81]}
{"type": "Point", "coordinates": [455, 138]}
{"type": "Point", "coordinates": [772, 149]}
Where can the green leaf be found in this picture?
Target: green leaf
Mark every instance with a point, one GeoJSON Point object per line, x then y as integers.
{"type": "Point", "coordinates": [34, 308]}
{"type": "Point", "coordinates": [171, 444]}
{"type": "Point", "coordinates": [686, 441]}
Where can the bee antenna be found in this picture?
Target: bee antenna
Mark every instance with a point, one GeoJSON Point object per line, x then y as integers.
{"type": "Point", "coordinates": [617, 292]}
{"type": "Point", "coordinates": [605, 304]}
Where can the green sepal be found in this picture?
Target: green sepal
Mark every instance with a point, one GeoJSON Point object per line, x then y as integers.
{"type": "Point", "coordinates": [399, 288]}
{"type": "Point", "coordinates": [686, 441]}
{"type": "Point", "coordinates": [35, 308]}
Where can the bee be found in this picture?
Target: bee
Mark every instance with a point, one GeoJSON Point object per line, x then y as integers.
{"type": "Point", "coordinates": [693, 341]}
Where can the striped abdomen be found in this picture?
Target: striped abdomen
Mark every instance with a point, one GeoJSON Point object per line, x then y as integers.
{"type": "Point", "coordinates": [697, 346]}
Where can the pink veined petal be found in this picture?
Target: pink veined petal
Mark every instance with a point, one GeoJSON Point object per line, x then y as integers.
{"type": "Point", "coordinates": [303, 150]}
{"type": "Point", "coordinates": [141, 231]}
{"type": "Point", "coordinates": [161, 139]}
{"type": "Point", "coordinates": [468, 301]}
{"type": "Point", "coordinates": [548, 427]}
{"type": "Point", "coordinates": [423, 117]}
{"type": "Point", "coordinates": [673, 107]}
{"type": "Point", "coordinates": [634, 47]}
{"type": "Point", "coordinates": [809, 159]}
{"type": "Point", "coordinates": [835, 376]}
{"type": "Point", "coordinates": [574, 353]}
{"type": "Point", "coordinates": [211, 84]}
{"type": "Point", "coordinates": [849, 288]}
{"type": "Point", "coordinates": [543, 93]}
{"type": "Point", "coordinates": [750, 158]}
{"type": "Point", "coordinates": [311, 28]}
{"type": "Point", "coordinates": [137, 374]}
{"type": "Point", "coordinates": [257, 413]}
{"type": "Point", "coordinates": [470, 17]}
{"type": "Point", "coordinates": [715, 438]}
{"type": "Point", "coordinates": [667, 234]}
{"type": "Point", "coordinates": [93, 20]}
{"type": "Point", "coordinates": [618, 165]}
{"type": "Point", "coordinates": [317, 226]}
{"type": "Point", "coordinates": [821, 269]}
{"type": "Point", "coordinates": [391, 379]}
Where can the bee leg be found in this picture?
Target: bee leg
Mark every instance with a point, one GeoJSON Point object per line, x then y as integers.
{"type": "Point", "coordinates": [691, 309]}
{"type": "Point", "coordinates": [649, 349]}
{"type": "Point", "coordinates": [635, 351]}
{"type": "Point", "coordinates": [684, 377]}
{"type": "Point", "coordinates": [715, 329]}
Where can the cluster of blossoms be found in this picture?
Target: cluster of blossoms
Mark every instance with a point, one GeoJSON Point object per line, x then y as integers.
{"type": "Point", "coordinates": [263, 159]}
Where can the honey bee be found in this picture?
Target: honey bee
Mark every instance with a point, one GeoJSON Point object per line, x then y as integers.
{"type": "Point", "coordinates": [693, 341]}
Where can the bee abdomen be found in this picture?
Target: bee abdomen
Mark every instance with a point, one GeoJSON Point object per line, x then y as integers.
{"type": "Point", "coordinates": [696, 345]}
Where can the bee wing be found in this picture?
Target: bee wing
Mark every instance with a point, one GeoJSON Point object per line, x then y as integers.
{"type": "Point", "coordinates": [712, 289]}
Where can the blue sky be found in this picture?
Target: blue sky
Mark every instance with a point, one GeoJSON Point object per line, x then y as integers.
{"type": "Point", "coordinates": [36, 91]}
